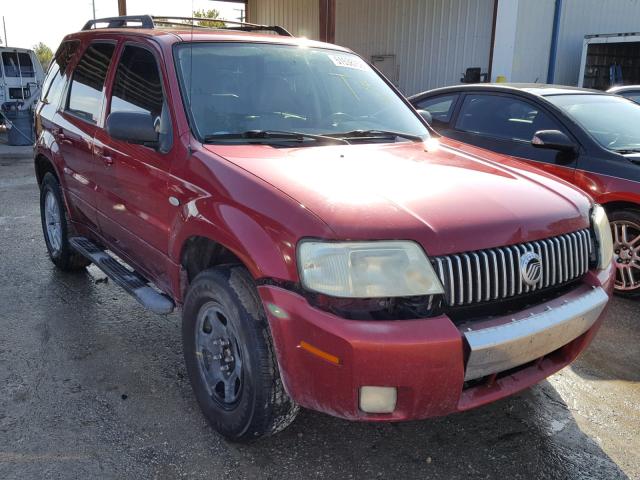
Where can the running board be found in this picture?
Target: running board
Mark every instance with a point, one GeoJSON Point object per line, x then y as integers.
{"type": "Point", "coordinates": [132, 282]}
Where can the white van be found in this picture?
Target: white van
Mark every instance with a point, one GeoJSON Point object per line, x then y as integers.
{"type": "Point", "coordinates": [21, 76]}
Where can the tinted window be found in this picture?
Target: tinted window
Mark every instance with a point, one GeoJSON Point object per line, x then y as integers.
{"type": "Point", "coordinates": [138, 88]}
{"type": "Point", "coordinates": [502, 117]}
{"type": "Point", "coordinates": [55, 79]}
{"type": "Point", "coordinates": [85, 96]}
{"type": "Point", "coordinates": [17, 64]}
{"type": "Point", "coordinates": [440, 108]}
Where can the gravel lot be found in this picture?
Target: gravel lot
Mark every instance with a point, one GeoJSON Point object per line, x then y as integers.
{"type": "Point", "coordinates": [93, 386]}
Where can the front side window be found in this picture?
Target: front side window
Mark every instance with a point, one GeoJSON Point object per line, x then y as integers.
{"type": "Point", "coordinates": [87, 84]}
{"type": "Point", "coordinates": [502, 116]}
{"type": "Point", "coordinates": [612, 121]}
{"type": "Point", "coordinates": [230, 88]}
{"type": "Point", "coordinates": [17, 64]}
{"type": "Point", "coordinates": [138, 88]}
{"type": "Point", "coordinates": [440, 107]}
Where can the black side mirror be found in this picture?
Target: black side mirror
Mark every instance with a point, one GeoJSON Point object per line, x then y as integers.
{"type": "Point", "coordinates": [133, 127]}
{"type": "Point", "coordinates": [426, 116]}
{"type": "Point", "coordinates": [553, 140]}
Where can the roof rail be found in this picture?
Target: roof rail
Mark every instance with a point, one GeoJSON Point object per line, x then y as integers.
{"type": "Point", "coordinates": [242, 26]}
{"type": "Point", "coordinates": [144, 21]}
{"type": "Point", "coordinates": [147, 21]}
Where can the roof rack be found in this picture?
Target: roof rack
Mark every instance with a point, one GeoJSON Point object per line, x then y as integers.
{"type": "Point", "coordinates": [148, 21]}
{"type": "Point", "coordinates": [144, 21]}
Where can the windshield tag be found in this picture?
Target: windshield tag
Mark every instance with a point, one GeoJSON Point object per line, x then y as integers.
{"type": "Point", "coordinates": [348, 62]}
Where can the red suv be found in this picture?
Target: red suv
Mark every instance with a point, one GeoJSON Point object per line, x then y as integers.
{"type": "Point", "coordinates": [326, 250]}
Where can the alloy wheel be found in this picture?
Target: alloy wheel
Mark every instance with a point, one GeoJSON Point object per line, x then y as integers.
{"type": "Point", "coordinates": [52, 222]}
{"type": "Point", "coordinates": [626, 238]}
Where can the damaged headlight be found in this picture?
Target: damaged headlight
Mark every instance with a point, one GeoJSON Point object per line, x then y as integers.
{"type": "Point", "coordinates": [367, 269]}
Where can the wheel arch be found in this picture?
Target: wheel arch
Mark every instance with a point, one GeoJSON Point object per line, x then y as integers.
{"type": "Point", "coordinates": [616, 205]}
{"type": "Point", "coordinates": [44, 165]}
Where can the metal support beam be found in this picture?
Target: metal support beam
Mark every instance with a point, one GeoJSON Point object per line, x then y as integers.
{"type": "Point", "coordinates": [327, 20]}
{"type": "Point", "coordinates": [122, 7]}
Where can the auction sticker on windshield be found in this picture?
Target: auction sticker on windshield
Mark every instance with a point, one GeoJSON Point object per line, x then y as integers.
{"type": "Point", "coordinates": [350, 61]}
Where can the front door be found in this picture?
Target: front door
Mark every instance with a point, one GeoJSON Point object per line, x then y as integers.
{"type": "Point", "coordinates": [132, 180]}
{"type": "Point", "coordinates": [506, 124]}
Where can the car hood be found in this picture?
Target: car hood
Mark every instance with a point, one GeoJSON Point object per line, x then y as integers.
{"type": "Point", "coordinates": [449, 196]}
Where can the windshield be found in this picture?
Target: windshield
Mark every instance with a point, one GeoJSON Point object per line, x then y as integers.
{"type": "Point", "coordinates": [235, 88]}
{"type": "Point", "coordinates": [613, 122]}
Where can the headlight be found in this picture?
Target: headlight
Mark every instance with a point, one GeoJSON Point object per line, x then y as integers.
{"type": "Point", "coordinates": [367, 269]}
{"type": "Point", "coordinates": [604, 240]}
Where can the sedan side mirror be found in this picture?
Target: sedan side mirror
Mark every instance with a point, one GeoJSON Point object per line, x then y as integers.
{"type": "Point", "coordinates": [133, 127]}
{"type": "Point", "coordinates": [553, 140]}
{"type": "Point", "coordinates": [426, 116]}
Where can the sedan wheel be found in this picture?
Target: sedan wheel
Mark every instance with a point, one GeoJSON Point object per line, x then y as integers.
{"type": "Point", "coordinates": [626, 238]}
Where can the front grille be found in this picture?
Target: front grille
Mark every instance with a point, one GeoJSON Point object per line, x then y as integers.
{"type": "Point", "coordinates": [484, 275]}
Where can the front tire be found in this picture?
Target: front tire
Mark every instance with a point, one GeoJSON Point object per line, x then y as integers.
{"type": "Point", "coordinates": [625, 228]}
{"type": "Point", "coordinates": [230, 357]}
{"type": "Point", "coordinates": [56, 227]}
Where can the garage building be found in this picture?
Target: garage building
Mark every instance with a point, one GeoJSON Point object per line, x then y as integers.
{"type": "Point", "coordinates": [423, 44]}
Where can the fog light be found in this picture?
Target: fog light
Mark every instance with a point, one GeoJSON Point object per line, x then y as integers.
{"type": "Point", "coordinates": [378, 399]}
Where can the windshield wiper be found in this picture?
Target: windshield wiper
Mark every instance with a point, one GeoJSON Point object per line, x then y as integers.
{"type": "Point", "coordinates": [376, 134]}
{"type": "Point", "coordinates": [271, 135]}
{"type": "Point", "coordinates": [624, 151]}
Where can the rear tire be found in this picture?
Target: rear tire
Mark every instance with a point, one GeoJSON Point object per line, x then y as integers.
{"type": "Point", "coordinates": [230, 357]}
{"type": "Point", "coordinates": [56, 227]}
{"type": "Point", "coordinates": [625, 228]}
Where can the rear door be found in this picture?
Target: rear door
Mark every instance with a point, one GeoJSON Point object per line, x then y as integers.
{"type": "Point", "coordinates": [132, 198]}
{"type": "Point", "coordinates": [76, 127]}
{"type": "Point", "coordinates": [506, 124]}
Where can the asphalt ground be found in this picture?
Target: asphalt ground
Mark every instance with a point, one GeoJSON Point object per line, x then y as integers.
{"type": "Point", "coordinates": [94, 386]}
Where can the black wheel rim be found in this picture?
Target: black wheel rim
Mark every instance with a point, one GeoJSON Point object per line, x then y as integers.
{"type": "Point", "coordinates": [218, 355]}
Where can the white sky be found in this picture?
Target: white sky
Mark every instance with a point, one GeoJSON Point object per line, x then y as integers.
{"type": "Point", "coordinates": [31, 21]}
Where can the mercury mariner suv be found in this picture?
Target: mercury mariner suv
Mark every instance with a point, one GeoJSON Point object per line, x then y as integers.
{"type": "Point", "coordinates": [326, 249]}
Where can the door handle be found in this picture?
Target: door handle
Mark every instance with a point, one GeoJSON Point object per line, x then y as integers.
{"type": "Point", "coordinates": [104, 155]}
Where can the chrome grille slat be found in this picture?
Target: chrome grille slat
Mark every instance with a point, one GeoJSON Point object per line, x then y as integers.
{"type": "Point", "coordinates": [484, 275]}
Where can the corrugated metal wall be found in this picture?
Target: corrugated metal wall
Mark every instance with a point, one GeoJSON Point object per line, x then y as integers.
{"type": "Point", "coordinates": [586, 17]}
{"type": "Point", "coordinates": [434, 40]}
{"type": "Point", "coordinates": [300, 17]}
{"type": "Point", "coordinates": [533, 41]}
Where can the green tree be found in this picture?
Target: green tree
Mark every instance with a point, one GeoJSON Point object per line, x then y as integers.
{"type": "Point", "coordinates": [212, 14]}
{"type": "Point", "coordinates": [44, 54]}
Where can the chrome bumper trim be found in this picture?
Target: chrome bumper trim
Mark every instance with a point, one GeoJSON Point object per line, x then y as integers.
{"type": "Point", "coordinates": [502, 347]}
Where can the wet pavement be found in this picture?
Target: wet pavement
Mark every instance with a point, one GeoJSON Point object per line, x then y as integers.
{"type": "Point", "coordinates": [93, 386]}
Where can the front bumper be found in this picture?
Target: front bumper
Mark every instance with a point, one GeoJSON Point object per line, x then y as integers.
{"type": "Point", "coordinates": [437, 367]}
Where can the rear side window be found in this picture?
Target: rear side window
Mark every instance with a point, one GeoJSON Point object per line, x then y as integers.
{"type": "Point", "coordinates": [17, 64]}
{"type": "Point", "coordinates": [502, 117]}
{"type": "Point", "coordinates": [85, 95]}
{"type": "Point", "coordinates": [440, 108]}
{"type": "Point", "coordinates": [138, 88]}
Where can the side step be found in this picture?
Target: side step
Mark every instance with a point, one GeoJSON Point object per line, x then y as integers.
{"type": "Point", "coordinates": [134, 284]}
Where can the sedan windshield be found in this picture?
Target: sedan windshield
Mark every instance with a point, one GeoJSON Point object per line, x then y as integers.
{"type": "Point", "coordinates": [613, 122]}
{"type": "Point", "coordinates": [252, 92]}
